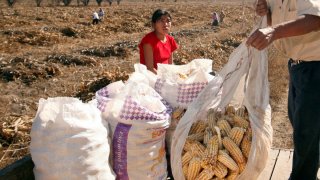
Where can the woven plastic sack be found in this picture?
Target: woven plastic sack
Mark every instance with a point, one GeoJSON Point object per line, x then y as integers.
{"type": "Point", "coordinates": [242, 81]}
{"type": "Point", "coordinates": [180, 84]}
{"type": "Point", "coordinates": [69, 141]}
{"type": "Point", "coordinates": [138, 118]}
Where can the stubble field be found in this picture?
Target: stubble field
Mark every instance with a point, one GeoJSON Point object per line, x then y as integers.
{"type": "Point", "coordinates": [52, 51]}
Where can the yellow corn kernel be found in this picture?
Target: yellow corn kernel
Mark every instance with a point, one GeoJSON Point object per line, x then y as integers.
{"type": "Point", "coordinates": [224, 126]}
{"type": "Point", "coordinates": [234, 150]}
{"type": "Point", "coordinates": [186, 158]}
{"type": "Point", "coordinates": [241, 122]}
{"type": "Point", "coordinates": [194, 168]}
{"type": "Point", "coordinates": [205, 174]}
{"type": "Point", "coordinates": [220, 170]}
{"type": "Point", "coordinates": [226, 160]}
{"type": "Point", "coordinates": [245, 146]}
{"type": "Point", "coordinates": [236, 134]}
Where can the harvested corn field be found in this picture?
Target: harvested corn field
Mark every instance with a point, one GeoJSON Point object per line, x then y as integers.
{"type": "Point", "coordinates": [54, 50]}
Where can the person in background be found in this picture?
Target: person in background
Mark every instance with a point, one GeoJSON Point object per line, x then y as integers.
{"type": "Point", "coordinates": [294, 29]}
{"type": "Point", "coordinates": [157, 46]}
{"type": "Point", "coordinates": [95, 18]}
{"type": "Point", "coordinates": [101, 14]}
{"type": "Point", "coordinates": [215, 19]}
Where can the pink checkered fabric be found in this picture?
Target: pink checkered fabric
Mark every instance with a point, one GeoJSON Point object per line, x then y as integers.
{"type": "Point", "coordinates": [188, 92]}
{"type": "Point", "coordinates": [131, 110]}
{"type": "Point", "coordinates": [102, 97]}
{"type": "Point", "coordinates": [158, 85]}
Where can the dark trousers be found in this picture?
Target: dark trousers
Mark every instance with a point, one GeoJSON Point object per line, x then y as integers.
{"type": "Point", "coordinates": [95, 21]}
{"type": "Point", "coordinates": [304, 115]}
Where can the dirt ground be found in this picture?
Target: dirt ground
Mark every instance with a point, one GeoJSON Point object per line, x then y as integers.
{"type": "Point", "coordinates": [54, 51]}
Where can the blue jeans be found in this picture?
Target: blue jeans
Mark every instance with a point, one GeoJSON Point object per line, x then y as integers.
{"type": "Point", "coordinates": [304, 115]}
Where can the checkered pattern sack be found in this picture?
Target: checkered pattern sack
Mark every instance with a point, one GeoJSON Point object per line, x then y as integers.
{"type": "Point", "coordinates": [138, 118]}
{"type": "Point", "coordinates": [181, 84]}
{"type": "Point", "coordinates": [69, 141]}
{"type": "Point", "coordinates": [242, 81]}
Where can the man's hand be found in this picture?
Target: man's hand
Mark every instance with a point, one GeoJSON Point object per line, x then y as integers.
{"type": "Point", "coordinates": [262, 7]}
{"type": "Point", "coordinates": [261, 38]}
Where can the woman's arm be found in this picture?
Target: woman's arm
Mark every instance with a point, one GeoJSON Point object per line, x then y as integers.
{"type": "Point", "coordinates": [148, 56]}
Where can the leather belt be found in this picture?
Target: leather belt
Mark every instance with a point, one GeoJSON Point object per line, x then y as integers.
{"type": "Point", "coordinates": [296, 62]}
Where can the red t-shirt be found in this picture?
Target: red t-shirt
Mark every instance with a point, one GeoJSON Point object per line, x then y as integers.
{"type": "Point", "coordinates": [161, 51]}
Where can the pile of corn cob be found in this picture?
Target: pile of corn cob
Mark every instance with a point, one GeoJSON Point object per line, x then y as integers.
{"type": "Point", "coordinates": [219, 147]}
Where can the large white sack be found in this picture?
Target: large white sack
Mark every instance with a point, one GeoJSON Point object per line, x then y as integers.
{"type": "Point", "coordinates": [172, 84]}
{"type": "Point", "coordinates": [138, 118]}
{"type": "Point", "coordinates": [69, 141]}
{"type": "Point", "coordinates": [242, 81]}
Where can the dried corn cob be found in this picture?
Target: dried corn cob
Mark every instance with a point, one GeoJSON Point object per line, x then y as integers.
{"type": "Point", "coordinates": [242, 166]}
{"type": "Point", "coordinates": [211, 153]}
{"type": "Point", "coordinates": [224, 125]}
{"type": "Point", "coordinates": [185, 170]}
{"type": "Point", "coordinates": [186, 158]}
{"type": "Point", "coordinates": [194, 168]}
{"type": "Point", "coordinates": [187, 145]}
{"type": "Point", "coordinates": [226, 160]}
{"type": "Point", "coordinates": [197, 149]}
{"type": "Point", "coordinates": [198, 127]}
{"type": "Point", "coordinates": [207, 135]}
{"type": "Point", "coordinates": [220, 170]}
{"type": "Point", "coordinates": [245, 146]}
{"type": "Point", "coordinates": [236, 134]}
{"type": "Point", "coordinates": [232, 175]}
{"type": "Point", "coordinates": [196, 137]}
{"type": "Point", "coordinates": [241, 111]}
{"type": "Point", "coordinates": [240, 122]}
{"type": "Point", "coordinates": [206, 174]}
{"type": "Point", "coordinates": [177, 113]}
{"type": "Point", "coordinates": [212, 121]}
{"type": "Point", "coordinates": [234, 150]}
{"type": "Point", "coordinates": [219, 136]}
{"type": "Point", "coordinates": [230, 110]}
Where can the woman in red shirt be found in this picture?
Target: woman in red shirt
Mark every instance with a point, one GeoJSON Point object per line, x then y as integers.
{"type": "Point", "coordinates": [157, 46]}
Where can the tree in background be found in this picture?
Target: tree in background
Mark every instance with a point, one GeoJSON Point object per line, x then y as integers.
{"type": "Point", "coordinates": [55, 2]}
{"type": "Point", "coordinates": [38, 2]}
{"type": "Point", "coordinates": [66, 2]}
{"type": "Point", "coordinates": [11, 2]}
{"type": "Point", "coordinates": [85, 2]}
{"type": "Point", "coordinates": [99, 2]}
{"type": "Point", "coordinates": [110, 2]}
{"type": "Point", "coordinates": [118, 2]}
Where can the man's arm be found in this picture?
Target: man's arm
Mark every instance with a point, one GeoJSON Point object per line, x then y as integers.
{"type": "Point", "coordinates": [305, 24]}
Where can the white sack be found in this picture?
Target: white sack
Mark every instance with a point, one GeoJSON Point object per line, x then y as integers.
{"type": "Point", "coordinates": [178, 91]}
{"type": "Point", "coordinates": [242, 81]}
{"type": "Point", "coordinates": [138, 117]}
{"type": "Point", "coordinates": [69, 141]}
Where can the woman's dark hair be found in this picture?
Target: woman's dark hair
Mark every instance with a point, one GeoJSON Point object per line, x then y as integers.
{"type": "Point", "coordinates": [158, 13]}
